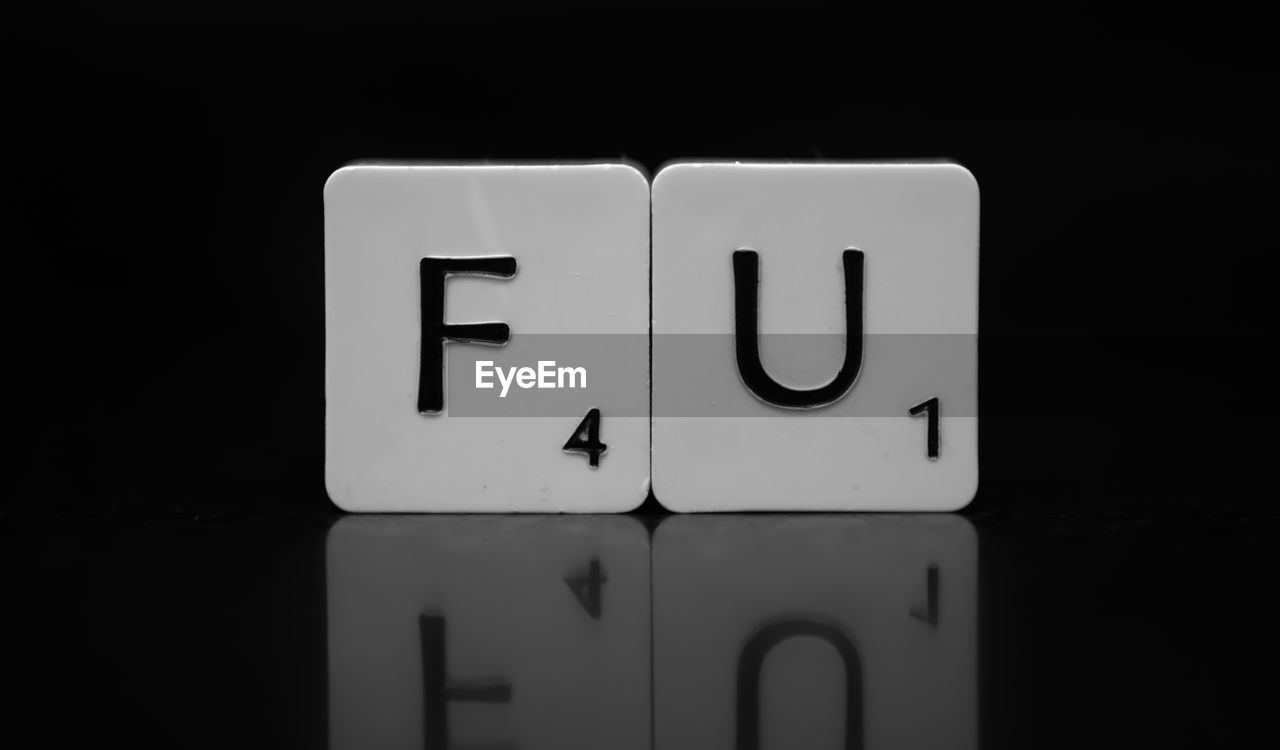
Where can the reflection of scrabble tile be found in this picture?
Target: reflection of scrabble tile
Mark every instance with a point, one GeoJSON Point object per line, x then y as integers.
{"type": "Point", "coordinates": [546, 250]}
{"type": "Point", "coordinates": [815, 631]}
{"type": "Point", "coordinates": [892, 429]}
{"type": "Point", "coordinates": [484, 631]}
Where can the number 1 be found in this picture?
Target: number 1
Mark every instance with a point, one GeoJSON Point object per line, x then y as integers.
{"type": "Point", "coordinates": [931, 442]}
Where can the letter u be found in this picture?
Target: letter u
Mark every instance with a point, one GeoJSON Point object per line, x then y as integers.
{"type": "Point", "coordinates": [746, 283]}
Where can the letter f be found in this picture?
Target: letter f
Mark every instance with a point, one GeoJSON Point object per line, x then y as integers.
{"type": "Point", "coordinates": [436, 332]}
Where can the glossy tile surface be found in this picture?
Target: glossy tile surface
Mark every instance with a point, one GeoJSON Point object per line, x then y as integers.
{"type": "Point", "coordinates": [790, 239]}
{"type": "Point", "coordinates": [305, 630]}
{"type": "Point", "coordinates": [571, 248]}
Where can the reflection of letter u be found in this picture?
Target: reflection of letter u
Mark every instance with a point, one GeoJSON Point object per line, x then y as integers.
{"type": "Point", "coordinates": [751, 661]}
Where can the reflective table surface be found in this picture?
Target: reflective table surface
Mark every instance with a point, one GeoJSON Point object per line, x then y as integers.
{"type": "Point", "coordinates": [644, 631]}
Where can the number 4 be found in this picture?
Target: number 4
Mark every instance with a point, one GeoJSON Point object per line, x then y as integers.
{"type": "Point", "coordinates": [586, 439]}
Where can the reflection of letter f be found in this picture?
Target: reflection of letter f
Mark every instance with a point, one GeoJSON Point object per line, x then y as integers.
{"type": "Point", "coordinates": [437, 691]}
{"type": "Point", "coordinates": [436, 332]}
{"type": "Point", "coordinates": [746, 281]}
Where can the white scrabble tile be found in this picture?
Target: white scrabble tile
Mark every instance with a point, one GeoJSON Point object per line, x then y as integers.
{"type": "Point", "coordinates": [804, 429]}
{"type": "Point", "coordinates": [815, 632]}
{"type": "Point", "coordinates": [557, 253]}
{"type": "Point", "coordinates": [489, 631]}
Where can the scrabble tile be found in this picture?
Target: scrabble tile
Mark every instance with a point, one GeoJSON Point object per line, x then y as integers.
{"type": "Point", "coordinates": [489, 631]}
{"type": "Point", "coordinates": [433, 272]}
{"type": "Point", "coordinates": [815, 336]}
{"type": "Point", "coordinates": [815, 632]}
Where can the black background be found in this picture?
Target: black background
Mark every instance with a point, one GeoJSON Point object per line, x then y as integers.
{"type": "Point", "coordinates": [164, 285]}
{"type": "Point", "coordinates": [168, 259]}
